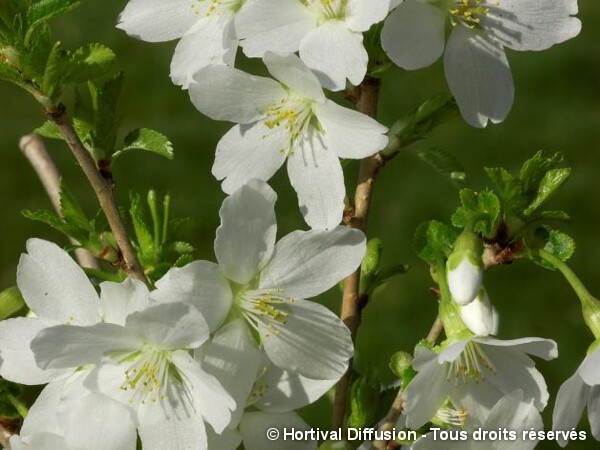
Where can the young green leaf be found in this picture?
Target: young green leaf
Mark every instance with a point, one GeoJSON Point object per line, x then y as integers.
{"type": "Point", "coordinates": [443, 163]}
{"type": "Point", "coordinates": [479, 210]}
{"type": "Point", "coordinates": [509, 189]}
{"type": "Point", "coordinates": [48, 130]}
{"type": "Point", "coordinates": [89, 63]}
{"type": "Point", "coordinates": [560, 245]}
{"type": "Point", "coordinates": [433, 241]}
{"type": "Point", "coordinates": [535, 168]}
{"type": "Point", "coordinates": [550, 183]}
{"type": "Point", "coordinates": [44, 10]}
{"type": "Point", "coordinates": [147, 140]}
{"type": "Point", "coordinates": [71, 212]}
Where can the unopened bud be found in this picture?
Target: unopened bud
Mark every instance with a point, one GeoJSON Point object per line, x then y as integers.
{"type": "Point", "coordinates": [479, 315]}
{"type": "Point", "coordinates": [464, 268]}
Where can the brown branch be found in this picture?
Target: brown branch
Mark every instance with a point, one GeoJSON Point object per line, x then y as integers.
{"type": "Point", "coordinates": [103, 189]}
{"type": "Point", "coordinates": [396, 409]}
{"type": "Point", "coordinates": [367, 96]}
{"type": "Point", "coordinates": [35, 151]}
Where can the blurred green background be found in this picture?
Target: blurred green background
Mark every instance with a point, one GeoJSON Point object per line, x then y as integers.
{"type": "Point", "coordinates": [557, 108]}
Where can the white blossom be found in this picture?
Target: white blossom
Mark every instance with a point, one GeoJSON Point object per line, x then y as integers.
{"type": "Point", "coordinates": [286, 119]}
{"type": "Point", "coordinates": [327, 34]}
{"type": "Point", "coordinates": [475, 61]}
{"type": "Point", "coordinates": [480, 316]}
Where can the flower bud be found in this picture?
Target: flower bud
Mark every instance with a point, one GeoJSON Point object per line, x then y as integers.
{"type": "Point", "coordinates": [465, 268]}
{"type": "Point", "coordinates": [479, 315]}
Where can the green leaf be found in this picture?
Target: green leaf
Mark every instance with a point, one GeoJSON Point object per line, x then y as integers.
{"type": "Point", "coordinates": [147, 140]}
{"type": "Point", "coordinates": [47, 217]}
{"type": "Point", "coordinates": [11, 302]}
{"type": "Point", "coordinates": [535, 168]}
{"type": "Point", "coordinates": [48, 130]}
{"type": "Point", "coordinates": [183, 260]}
{"type": "Point", "coordinates": [89, 63]}
{"type": "Point", "coordinates": [142, 231]}
{"type": "Point", "coordinates": [509, 189]}
{"type": "Point", "coordinates": [45, 10]}
{"type": "Point", "coordinates": [105, 97]}
{"type": "Point", "coordinates": [443, 163]}
{"type": "Point", "coordinates": [10, 74]}
{"type": "Point", "coordinates": [71, 212]}
{"type": "Point", "coordinates": [550, 183]}
{"type": "Point", "coordinates": [560, 216]}
{"type": "Point", "coordinates": [480, 211]}
{"type": "Point", "coordinates": [560, 245]}
{"type": "Point", "coordinates": [433, 240]}
{"type": "Point", "coordinates": [364, 399]}
{"type": "Point", "coordinates": [57, 64]}
{"type": "Point", "coordinates": [181, 247]}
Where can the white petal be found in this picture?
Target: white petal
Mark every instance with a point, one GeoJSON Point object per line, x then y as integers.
{"type": "Point", "coordinates": [38, 441]}
{"type": "Point", "coordinates": [464, 281]}
{"type": "Point", "coordinates": [273, 25]}
{"type": "Point", "coordinates": [225, 93]}
{"type": "Point", "coordinates": [478, 315]}
{"type": "Point", "coordinates": [313, 342]}
{"type": "Point", "coordinates": [453, 351]}
{"type": "Point", "coordinates": [254, 428]}
{"type": "Point", "coordinates": [42, 416]}
{"type": "Point", "coordinates": [206, 393]}
{"type": "Point", "coordinates": [512, 413]}
{"type": "Point", "coordinates": [293, 73]}
{"type": "Point", "coordinates": [228, 440]}
{"type": "Point", "coordinates": [55, 287]}
{"type": "Point", "coordinates": [349, 133]}
{"type": "Point", "coordinates": [479, 77]}
{"type": "Point", "coordinates": [173, 424]}
{"type": "Point", "coordinates": [308, 263]}
{"type": "Point", "coordinates": [246, 237]}
{"type": "Point", "coordinates": [542, 348]}
{"type": "Point", "coordinates": [594, 411]}
{"type": "Point", "coordinates": [248, 152]}
{"type": "Point", "coordinates": [413, 35]}
{"type": "Point", "coordinates": [361, 14]}
{"type": "Point", "coordinates": [317, 177]}
{"type": "Point", "coordinates": [17, 361]}
{"type": "Point", "coordinates": [425, 394]}
{"type": "Point", "coordinates": [570, 401]}
{"type": "Point", "coordinates": [66, 346]}
{"type": "Point", "coordinates": [287, 391]}
{"type": "Point", "coordinates": [200, 283]}
{"type": "Point", "coordinates": [107, 425]}
{"type": "Point", "coordinates": [533, 24]}
{"type": "Point", "coordinates": [170, 326]}
{"type": "Point", "coordinates": [210, 41]}
{"type": "Point", "coordinates": [233, 358]}
{"type": "Point", "coordinates": [589, 369]}
{"type": "Point", "coordinates": [157, 20]}
{"type": "Point", "coordinates": [335, 53]}
{"type": "Point", "coordinates": [118, 300]}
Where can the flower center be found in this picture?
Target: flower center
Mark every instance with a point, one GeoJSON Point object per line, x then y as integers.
{"type": "Point", "coordinates": [468, 12]}
{"type": "Point", "coordinates": [294, 115]}
{"type": "Point", "coordinates": [452, 417]}
{"type": "Point", "coordinates": [262, 310]}
{"type": "Point", "coordinates": [327, 9]}
{"type": "Point", "coordinates": [147, 377]}
{"type": "Point", "coordinates": [471, 365]}
{"type": "Point", "coordinates": [208, 8]}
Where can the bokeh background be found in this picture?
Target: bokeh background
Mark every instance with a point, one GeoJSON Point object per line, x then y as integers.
{"type": "Point", "coordinates": [557, 108]}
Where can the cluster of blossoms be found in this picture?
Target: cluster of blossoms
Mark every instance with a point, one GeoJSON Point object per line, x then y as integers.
{"type": "Point", "coordinates": [216, 353]}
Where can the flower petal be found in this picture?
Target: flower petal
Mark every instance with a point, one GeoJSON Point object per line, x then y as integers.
{"type": "Point", "coordinates": [542, 348]}
{"type": "Point", "coordinates": [313, 342]}
{"type": "Point", "coordinates": [317, 177]}
{"type": "Point", "coordinates": [228, 440]}
{"type": "Point", "coordinates": [233, 358]}
{"type": "Point", "coordinates": [308, 263]}
{"type": "Point", "coordinates": [201, 284]}
{"type": "Point", "coordinates": [17, 361]}
{"type": "Point", "coordinates": [570, 401]}
{"type": "Point", "coordinates": [479, 77]}
{"type": "Point", "coordinates": [254, 428]}
{"type": "Point", "coordinates": [349, 133]}
{"type": "Point", "coordinates": [225, 93]}
{"type": "Point", "coordinates": [273, 25]}
{"type": "Point", "coordinates": [66, 346]}
{"type": "Point", "coordinates": [42, 417]}
{"type": "Point", "coordinates": [249, 152]}
{"type": "Point", "coordinates": [157, 20]}
{"type": "Point", "coordinates": [533, 24]}
{"type": "Point", "coordinates": [589, 369]}
{"type": "Point", "coordinates": [413, 36]}
{"type": "Point", "coordinates": [118, 300]}
{"type": "Point", "coordinates": [335, 53]}
{"type": "Point", "coordinates": [285, 390]}
{"type": "Point", "coordinates": [206, 393]}
{"type": "Point", "coordinates": [361, 14]}
{"type": "Point", "coordinates": [594, 411]}
{"type": "Point", "coordinates": [170, 326]}
{"type": "Point", "coordinates": [246, 237]}
{"type": "Point", "coordinates": [292, 72]}
{"type": "Point", "coordinates": [55, 287]}
{"type": "Point", "coordinates": [210, 41]}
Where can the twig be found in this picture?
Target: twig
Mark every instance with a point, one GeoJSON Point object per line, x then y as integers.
{"type": "Point", "coordinates": [352, 302]}
{"type": "Point", "coordinates": [35, 151]}
{"type": "Point", "coordinates": [396, 409]}
{"type": "Point", "coordinates": [103, 189]}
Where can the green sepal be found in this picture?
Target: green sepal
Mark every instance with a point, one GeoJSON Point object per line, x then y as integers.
{"type": "Point", "coordinates": [11, 302]}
